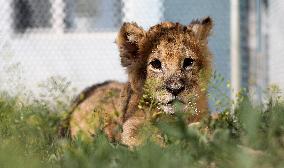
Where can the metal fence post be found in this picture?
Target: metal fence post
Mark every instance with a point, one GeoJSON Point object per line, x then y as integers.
{"type": "Point", "coordinates": [58, 14]}
{"type": "Point", "coordinates": [235, 48]}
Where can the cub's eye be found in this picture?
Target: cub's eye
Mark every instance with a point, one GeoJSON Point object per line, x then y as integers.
{"type": "Point", "coordinates": [156, 64]}
{"type": "Point", "coordinates": [187, 63]}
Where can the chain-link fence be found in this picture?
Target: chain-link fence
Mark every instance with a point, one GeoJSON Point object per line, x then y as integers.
{"type": "Point", "coordinates": [75, 38]}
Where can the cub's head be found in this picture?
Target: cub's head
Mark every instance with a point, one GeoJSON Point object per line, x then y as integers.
{"type": "Point", "coordinates": [170, 59]}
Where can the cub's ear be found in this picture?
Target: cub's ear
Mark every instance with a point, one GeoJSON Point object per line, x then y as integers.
{"type": "Point", "coordinates": [128, 40]}
{"type": "Point", "coordinates": [202, 28]}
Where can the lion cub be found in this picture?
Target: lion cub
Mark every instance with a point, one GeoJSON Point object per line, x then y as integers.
{"type": "Point", "coordinates": [171, 60]}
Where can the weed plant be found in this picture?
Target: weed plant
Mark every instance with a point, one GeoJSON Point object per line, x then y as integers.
{"type": "Point", "coordinates": [247, 137]}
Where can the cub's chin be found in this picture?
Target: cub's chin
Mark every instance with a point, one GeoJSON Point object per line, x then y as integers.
{"type": "Point", "coordinates": [168, 109]}
{"type": "Point", "coordinates": [173, 106]}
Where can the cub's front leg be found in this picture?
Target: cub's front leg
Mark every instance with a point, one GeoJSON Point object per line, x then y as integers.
{"type": "Point", "coordinates": [139, 129]}
{"type": "Point", "coordinates": [130, 134]}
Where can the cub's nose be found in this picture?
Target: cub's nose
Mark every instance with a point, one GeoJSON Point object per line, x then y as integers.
{"type": "Point", "coordinates": [175, 87]}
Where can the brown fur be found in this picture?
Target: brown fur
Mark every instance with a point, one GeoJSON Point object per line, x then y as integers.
{"type": "Point", "coordinates": [171, 60]}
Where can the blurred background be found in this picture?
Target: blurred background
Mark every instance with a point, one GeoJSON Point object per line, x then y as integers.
{"type": "Point", "coordinates": [74, 39]}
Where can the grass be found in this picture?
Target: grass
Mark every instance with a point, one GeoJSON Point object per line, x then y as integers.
{"type": "Point", "coordinates": [252, 136]}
